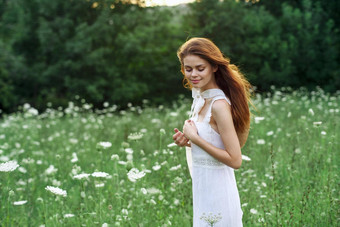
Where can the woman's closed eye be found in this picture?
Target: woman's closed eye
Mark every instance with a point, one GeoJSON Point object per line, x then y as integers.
{"type": "Point", "coordinates": [189, 69]}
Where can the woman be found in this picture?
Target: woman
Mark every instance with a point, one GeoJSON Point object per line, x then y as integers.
{"type": "Point", "coordinates": [216, 131]}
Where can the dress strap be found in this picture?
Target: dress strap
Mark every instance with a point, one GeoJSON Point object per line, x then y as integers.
{"type": "Point", "coordinates": [208, 114]}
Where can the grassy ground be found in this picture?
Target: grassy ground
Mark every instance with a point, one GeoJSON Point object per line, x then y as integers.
{"type": "Point", "coordinates": [292, 178]}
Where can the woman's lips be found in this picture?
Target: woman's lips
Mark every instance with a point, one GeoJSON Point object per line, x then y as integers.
{"type": "Point", "coordinates": [195, 81]}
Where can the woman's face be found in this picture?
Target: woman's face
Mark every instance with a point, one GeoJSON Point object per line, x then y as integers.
{"type": "Point", "coordinates": [199, 72]}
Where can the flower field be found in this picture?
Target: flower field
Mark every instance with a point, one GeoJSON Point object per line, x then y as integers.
{"type": "Point", "coordinates": [83, 167]}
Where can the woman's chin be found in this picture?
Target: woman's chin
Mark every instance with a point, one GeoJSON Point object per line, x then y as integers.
{"type": "Point", "coordinates": [196, 85]}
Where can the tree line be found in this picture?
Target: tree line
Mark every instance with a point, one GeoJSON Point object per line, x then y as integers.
{"type": "Point", "coordinates": [120, 51]}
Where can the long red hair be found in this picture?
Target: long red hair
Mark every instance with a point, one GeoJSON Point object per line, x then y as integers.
{"type": "Point", "coordinates": [228, 78]}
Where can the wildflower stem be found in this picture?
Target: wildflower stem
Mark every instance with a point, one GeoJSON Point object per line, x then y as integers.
{"type": "Point", "coordinates": [274, 186]}
{"type": "Point", "coordinates": [160, 141]}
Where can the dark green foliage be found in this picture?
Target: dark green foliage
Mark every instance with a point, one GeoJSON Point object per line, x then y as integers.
{"type": "Point", "coordinates": [120, 51]}
{"type": "Point", "coordinates": [298, 49]}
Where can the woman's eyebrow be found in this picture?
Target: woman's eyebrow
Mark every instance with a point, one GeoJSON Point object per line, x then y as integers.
{"type": "Point", "coordinates": [199, 65]}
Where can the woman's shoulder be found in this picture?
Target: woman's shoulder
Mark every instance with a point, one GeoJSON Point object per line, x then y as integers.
{"type": "Point", "coordinates": [220, 106]}
{"type": "Point", "coordinates": [222, 97]}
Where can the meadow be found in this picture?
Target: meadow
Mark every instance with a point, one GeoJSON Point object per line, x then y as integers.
{"type": "Point", "coordinates": [81, 166]}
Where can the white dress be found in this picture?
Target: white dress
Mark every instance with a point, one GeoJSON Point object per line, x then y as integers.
{"type": "Point", "coordinates": [215, 196]}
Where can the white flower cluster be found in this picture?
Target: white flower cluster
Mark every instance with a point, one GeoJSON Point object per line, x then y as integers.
{"type": "Point", "coordinates": [100, 174]}
{"type": "Point", "coordinates": [246, 158]}
{"type": "Point", "coordinates": [18, 203]}
{"type": "Point", "coordinates": [8, 166]}
{"type": "Point", "coordinates": [175, 167]}
{"type": "Point", "coordinates": [134, 174]}
{"type": "Point", "coordinates": [211, 218]}
{"type": "Point", "coordinates": [81, 176]}
{"type": "Point", "coordinates": [135, 136]}
{"type": "Point", "coordinates": [105, 145]}
{"type": "Point", "coordinates": [56, 190]}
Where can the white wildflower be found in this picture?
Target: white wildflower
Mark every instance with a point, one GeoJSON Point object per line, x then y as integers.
{"type": "Point", "coordinates": [135, 136]}
{"type": "Point", "coordinates": [56, 182]}
{"type": "Point", "coordinates": [81, 176]}
{"type": "Point", "coordinates": [156, 167]}
{"type": "Point", "coordinates": [153, 191]}
{"type": "Point", "coordinates": [171, 145]}
{"type": "Point", "coordinates": [128, 150]}
{"type": "Point", "coordinates": [162, 131]}
{"type": "Point", "coordinates": [32, 112]}
{"type": "Point", "coordinates": [246, 158]}
{"type": "Point", "coordinates": [261, 141]}
{"type": "Point", "coordinates": [323, 133]}
{"type": "Point", "coordinates": [50, 170]}
{"type": "Point", "coordinates": [100, 185]}
{"type": "Point", "coordinates": [311, 112]}
{"type": "Point", "coordinates": [105, 145]}
{"type": "Point", "coordinates": [56, 191]}
{"type": "Point", "coordinates": [122, 163]}
{"type": "Point", "coordinates": [100, 174]}
{"type": "Point", "coordinates": [156, 121]}
{"type": "Point", "coordinates": [173, 114]}
{"type": "Point", "coordinates": [317, 123]}
{"type": "Point", "coordinates": [114, 157]}
{"type": "Point", "coordinates": [68, 215]}
{"type": "Point", "coordinates": [74, 158]}
{"type": "Point", "coordinates": [125, 211]}
{"type": "Point", "coordinates": [164, 163]}
{"type": "Point", "coordinates": [297, 150]}
{"type": "Point", "coordinates": [175, 167]}
{"type": "Point", "coordinates": [143, 130]}
{"type": "Point", "coordinates": [258, 119]}
{"type": "Point", "coordinates": [129, 157]}
{"type": "Point", "coordinates": [253, 211]}
{"type": "Point", "coordinates": [261, 219]}
{"type": "Point", "coordinates": [22, 169]}
{"type": "Point", "coordinates": [144, 191]}
{"type": "Point", "coordinates": [270, 133]}
{"type": "Point", "coordinates": [211, 218]}
{"type": "Point", "coordinates": [8, 166]}
{"type": "Point", "coordinates": [18, 203]}
{"type": "Point", "coordinates": [106, 104]}
{"type": "Point", "coordinates": [73, 140]}
{"type": "Point", "coordinates": [134, 174]}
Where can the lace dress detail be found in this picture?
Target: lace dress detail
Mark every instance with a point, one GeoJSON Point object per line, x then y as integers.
{"type": "Point", "coordinates": [213, 183]}
{"type": "Point", "coordinates": [204, 162]}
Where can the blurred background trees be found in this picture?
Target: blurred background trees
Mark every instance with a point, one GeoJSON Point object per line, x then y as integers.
{"type": "Point", "coordinates": [120, 51]}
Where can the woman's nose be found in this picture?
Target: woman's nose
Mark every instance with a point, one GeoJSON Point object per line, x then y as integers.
{"type": "Point", "coordinates": [194, 72]}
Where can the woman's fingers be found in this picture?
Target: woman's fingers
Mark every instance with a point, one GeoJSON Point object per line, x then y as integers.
{"type": "Point", "coordinates": [177, 134]}
{"type": "Point", "coordinates": [185, 142]}
{"type": "Point", "coordinates": [179, 138]}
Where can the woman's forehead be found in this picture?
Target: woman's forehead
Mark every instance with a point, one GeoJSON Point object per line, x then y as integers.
{"type": "Point", "coordinates": [194, 60]}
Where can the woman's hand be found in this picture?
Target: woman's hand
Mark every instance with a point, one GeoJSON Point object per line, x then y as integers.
{"type": "Point", "coordinates": [190, 130]}
{"type": "Point", "coordinates": [180, 139]}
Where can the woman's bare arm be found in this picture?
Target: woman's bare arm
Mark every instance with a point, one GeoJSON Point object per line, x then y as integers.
{"type": "Point", "coordinates": [231, 156]}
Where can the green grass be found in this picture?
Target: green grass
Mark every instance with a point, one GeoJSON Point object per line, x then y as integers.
{"type": "Point", "coordinates": [291, 180]}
